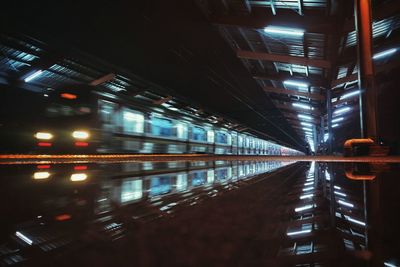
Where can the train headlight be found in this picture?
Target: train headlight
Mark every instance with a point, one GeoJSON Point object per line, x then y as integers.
{"type": "Point", "coordinates": [78, 177]}
{"type": "Point", "coordinates": [80, 134]}
{"type": "Point", "coordinates": [43, 136]}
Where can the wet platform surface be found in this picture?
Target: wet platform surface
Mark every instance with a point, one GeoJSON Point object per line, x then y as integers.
{"type": "Point", "coordinates": [200, 213]}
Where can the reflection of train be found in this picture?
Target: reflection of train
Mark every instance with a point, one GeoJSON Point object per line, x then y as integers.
{"type": "Point", "coordinates": [81, 118]}
{"type": "Point", "coordinates": [80, 205]}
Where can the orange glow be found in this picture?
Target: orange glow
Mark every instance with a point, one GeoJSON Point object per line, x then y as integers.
{"type": "Point", "coordinates": [351, 142]}
{"type": "Point", "coordinates": [360, 177]}
{"type": "Point", "coordinates": [81, 143]}
{"type": "Point", "coordinates": [43, 166]}
{"type": "Point", "coordinates": [68, 96]}
{"type": "Point", "coordinates": [62, 217]}
{"type": "Point", "coordinates": [82, 167]}
{"type": "Point", "coordinates": [44, 144]}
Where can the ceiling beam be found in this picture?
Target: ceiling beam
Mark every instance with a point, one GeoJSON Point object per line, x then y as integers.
{"type": "Point", "coordinates": [325, 23]}
{"type": "Point", "coordinates": [319, 63]}
{"type": "Point", "coordinates": [270, 89]}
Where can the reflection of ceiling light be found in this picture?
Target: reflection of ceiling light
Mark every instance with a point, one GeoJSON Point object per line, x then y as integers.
{"type": "Point", "coordinates": [301, 116]}
{"type": "Point", "coordinates": [294, 83]}
{"type": "Point", "coordinates": [285, 31]}
{"type": "Point", "coordinates": [303, 106]}
{"type": "Point", "coordinates": [342, 110]}
{"type": "Point", "coordinates": [384, 53]}
{"type": "Point", "coordinates": [350, 94]}
{"type": "Point", "coordinates": [337, 119]}
{"type": "Point", "coordinates": [299, 232]}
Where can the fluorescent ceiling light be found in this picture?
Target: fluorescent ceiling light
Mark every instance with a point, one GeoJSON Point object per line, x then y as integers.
{"type": "Point", "coordinates": [307, 129]}
{"type": "Point", "coordinates": [350, 94]}
{"type": "Point", "coordinates": [306, 196]}
{"type": "Point", "coordinates": [342, 110]}
{"type": "Point", "coordinates": [337, 119]}
{"type": "Point", "coordinates": [299, 232]}
{"type": "Point", "coordinates": [33, 76]}
{"type": "Point", "coordinates": [306, 207]}
{"type": "Point", "coordinates": [308, 183]}
{"type": "Point", "coordinates": [337, 187]}
{"type": "Point", "coordinates": [24, 238]}
{"type": "Point", "coordinates": [307, 189]}
{"type": "Point", "coordinates": [303, 106]}
{"type": "Point", "coordinates": [340, 193]}
{"type": "Point", "coordinates": [335, 125]}
{"type": "Point", "coordinates": [389, 264]}
{"type": "Point", "coordinates": [354, 220]}
{"type": "Point", "coordinates": [384, 53]}
{"type": "Point", "coordinates": [301, 116]}
{"type": "Point", "coordinates": [306, 124]}
{"type": "Point", "coordinates": [295, 83]}
{"type": "Point", "coordinates": [284, 31]}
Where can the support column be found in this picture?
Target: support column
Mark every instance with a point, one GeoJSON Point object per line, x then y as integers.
{"type": "Point", "coordinates": [329, 119]}
{"type": "Point", "coordinates": [368, 100]}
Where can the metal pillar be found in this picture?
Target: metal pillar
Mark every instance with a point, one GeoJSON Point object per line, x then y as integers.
{"type": "Point", "coordinates": [368, 101]}
{"type": "Point", "coordinates": [329, 119]}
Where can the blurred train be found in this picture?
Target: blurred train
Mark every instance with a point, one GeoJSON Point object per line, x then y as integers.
{"type": "Point", "coordinates": [81, 118]}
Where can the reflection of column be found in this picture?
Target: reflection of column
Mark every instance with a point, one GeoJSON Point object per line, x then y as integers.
{"type": "Point", "coordinates": [329, 119]}
{"type": "Point", "coordinates": [374, 222]}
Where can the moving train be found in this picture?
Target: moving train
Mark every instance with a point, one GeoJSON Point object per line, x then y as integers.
{"type": "Point", "coordinates": [81, 118]}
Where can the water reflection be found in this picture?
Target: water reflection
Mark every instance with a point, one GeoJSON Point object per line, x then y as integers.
{"type": "Point", "coordinates": [70, 205]}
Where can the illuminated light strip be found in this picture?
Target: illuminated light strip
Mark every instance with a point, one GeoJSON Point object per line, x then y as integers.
{"type": "Point", "coordinates": [307, 196]}
{"type": "Point", "coordinates": [77, 177]}
{"type": "Point", "coordinates": [309, 183]}
{"type": "Point", "coordinates": [347, 204]}
{"type": "Point", "coordinates": [63, 217]}
{"type": "Point", "coordinates": [307, 207]}
{"type": "Point", "coordinates": [350, 94]}
{"type": "Point", "coordinates": [303, 106]}
{"type": "Point", "coordinates": [337, 119]}
{"type": "Point", "coordinates": [299, 232]}
{"type": "Point", "coordinates": [68, 96]}
{"type": "Point", "coordinates": [33, 76]}
{"type": "Point", "coordinates": [384, 53]}
{"type": "Point", "coordinates": [310, 179]}
{"type": "Point", "coordinates": [24, 238]}
{"type": "Point", "coordinates": [337, 187]}
{"type": "Point", "coordinates": [301, 116]}
{"type": "Point", "coordinates": [46, 144]}
{"type": "Point", "coordinates": [294, 83]}
{"type": "Point", "coordinates": [41, 175]}
{"type": "Point", "coordinates": [340, 194]}
{"type": "Point", "coordinates": [389, 264]}
{"type": "Point", "coordinates": [281, 30]}
{"type": "Point", "coordinates": [335, 125]}
{"type": "Point", "coordinates": [307, 189]}
{"type": "Point", "coordinates": [354, 220]}
{"type": "Point", "coordinates": [342, 110]}
{"type": "Point", "coordinates": [306, 124]}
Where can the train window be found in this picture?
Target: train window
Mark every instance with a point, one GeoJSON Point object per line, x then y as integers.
{"type": "Point", "coordinates": [199, 134]}
{"type": "Point", "coordinates": [106, 111]}
{"type": "Point", "coordinates": [210, 136]}
{"type": "Point", "coordinates": [133, 122]}
{"type": "Point", "coordinates": [199, 178]}
{"type": "Point", "coordinates": [181, 182]}
{"type": "Point", "coordinates": [160, 185]}
{"type": "Point", "coordinates": [221, 138]}
{"type": "Point", "coordinates": [161, 127]}
{"type": "Point", "coordinates": [131, 190]}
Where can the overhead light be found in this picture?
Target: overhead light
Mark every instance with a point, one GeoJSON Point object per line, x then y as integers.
{"type": "Point", "coordinates": [354, 220]}
{"type": "Point", "coordinates": [307, 189]}
{"type": "Point", "coordinates": [340, 193]}
{"type": "Point", "coordinates": [337, 187]}
{"type": "Point", "coordinates": [335, 125]}
{"type": "Point", "coordinates": [337, 119]}
{"type": "Point", "coordinates": [308, 183]}
{"type": "Point", "coordinates": [306, 207]}
{"type": "Point", "coordinates": [306, 124]}
{"type": "Point", "coordinates": [303, 106]}
{"type": "Point", "coordinates": [284, 31]}
{"type": "Point", "coordinates": [24, 238]}
{"type": "Point", "coordinates": [307, 129]}
{"type": "Point", "coordinates": [80, 134]}
{"type": "Point", "coordinates": [384, 53]}
{"type": "Point", "coordinates": [342, 110]}
{"type": "Point", "coordinates": [41, 175]}
{"type": "Point", "coordinates": [350, 94]}
{"type": "Point", "coordinates": [295, 83]}
{"type": "Point", "coordinates": [389, 264]}
{"type": "Point", "coordinates": [299, 232]}
{"type": "Point", "coordinates": [78, 177]}
{"type": "Point", "coordinates": [306, 196]}
{"type": "Point", "coordinates": [306, 117]}
{"type": "Point", "coordinates": [33, 76]}
{"type": "Point", "coordinates": [326, 137]}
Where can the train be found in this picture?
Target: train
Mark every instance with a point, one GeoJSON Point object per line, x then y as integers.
{"type": "Point", "coordinates": [81, 118]}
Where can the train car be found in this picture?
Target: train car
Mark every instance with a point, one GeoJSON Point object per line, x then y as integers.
{"type": "Point", "coordinates": [83, 119]}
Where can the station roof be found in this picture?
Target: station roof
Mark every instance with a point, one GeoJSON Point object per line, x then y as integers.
{"type": "Point", "coordinates": [266, 65]}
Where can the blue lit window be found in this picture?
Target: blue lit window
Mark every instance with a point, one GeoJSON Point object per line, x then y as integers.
{"type": "Point", "coordinates": [160, 185]}
{"type": "Point", "coordinates": [221, 138]}
{"type": "Point", "coordinates": [199, 178]}
{"type": "Point", "coordinates": [221, 174]}
{"type": "Point", "coordinates": [161, 127]}
{"type": "Point", "coordinates": [199, 134]}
